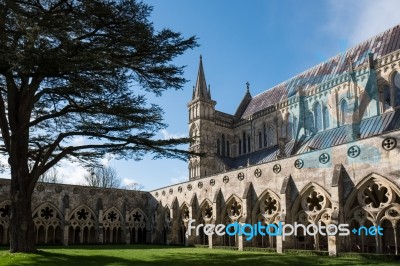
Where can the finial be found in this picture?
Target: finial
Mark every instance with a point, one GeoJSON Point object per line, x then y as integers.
{"type": "Point", "coordinates": [201, 57]}
{"type": "Point", "coordinates": [247, 86]}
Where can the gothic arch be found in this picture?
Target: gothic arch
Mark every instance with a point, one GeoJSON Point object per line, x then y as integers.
{"type": "Point", "coordinates": [138, 226]}
{"type": "Point", "coordinates": [112, 217]}
{"type": "Point", "coordinates": [48, 222]}
{"type": "Point", "coordinates": [82, 225]}
{"type": "Point", "coordinates": [184, 213]}
{"type": "Point", "coordinates": [112, 225]}
{"type": "Point", "coordinates": [206, 211]}
{"type": "Point", "coordinates": [233, 209]}
{"type": "Point", "coordinates": [374, 201]}
{"type": "Point", "coordinates": [266, 207]}
{"type": "Point", "coordinates": [312, 205]}
{"type": "Point", "coordinates": [384, 191]}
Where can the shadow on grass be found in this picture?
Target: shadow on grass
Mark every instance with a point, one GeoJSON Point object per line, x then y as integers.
{"type": "Point", "coordinates": [169, 255]}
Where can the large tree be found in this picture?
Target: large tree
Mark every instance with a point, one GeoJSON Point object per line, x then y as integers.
{"type": "Point", "coordinates": [72, 68]}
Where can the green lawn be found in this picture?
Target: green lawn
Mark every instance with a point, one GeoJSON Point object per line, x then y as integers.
{"type": "Point", "coordinates": [164, 255]}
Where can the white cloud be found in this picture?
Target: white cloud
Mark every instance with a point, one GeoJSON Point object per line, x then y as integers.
{"type": "Point", "coordinates": [167, 135]}
{"type": "Point", "coordinates": [358, 20]}
{"type": "Point", "coordinates": [71, 173]}
{"type": "Point", "coordinates": [128, 182]}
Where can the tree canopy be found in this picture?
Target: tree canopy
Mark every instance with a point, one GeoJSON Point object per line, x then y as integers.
{"type": "Point", "coordinates": [74, 68]}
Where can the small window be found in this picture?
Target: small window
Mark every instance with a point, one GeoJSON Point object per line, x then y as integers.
{"type": "Point", "coordinates": [396, 83]}
{"type": "Point", "coordinates": [244, 142]}
{"type": "Point", "coordinates": [223, 149]}
{"type": "Point", "coordinates": [325, 114]}
{"type": "Point", "coordinates": [343, 112]}
{"type": "Point", "coordinates": [317, 116]}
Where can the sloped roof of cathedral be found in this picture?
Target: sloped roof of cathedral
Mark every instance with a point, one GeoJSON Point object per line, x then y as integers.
{"type": "Point", "coordinates": [380, 45]}
{"type": "Point", "coordinates": [369, 127]}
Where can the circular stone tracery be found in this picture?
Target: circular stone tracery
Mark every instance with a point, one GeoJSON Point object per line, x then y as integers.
{"type": "Point", "coordinates": [374, 195]}
{"type": "Point", "coordinates": [234, 209]}
{"type": "Point", "coordinates": [269, 206]}
{"type": "Point", "coordinates": [315, 201]}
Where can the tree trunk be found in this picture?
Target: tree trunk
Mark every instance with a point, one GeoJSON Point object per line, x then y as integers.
{"type": "Point", "coordinates": [22, 237]}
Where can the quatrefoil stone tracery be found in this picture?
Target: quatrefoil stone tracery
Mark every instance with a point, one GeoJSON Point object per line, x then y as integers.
{"type": "Point", "coordinates": [389, 143]}
{"type": "Point", "coordinates": [324, 158]}
{"type": "Point", "coordinates": [240, 176]}
{"type": "Point", "coordinates": [277, 168]}
{"type": "Point", "coordinates": [299, 163]}
{"type": "Point", "coordinates": [353, 151]}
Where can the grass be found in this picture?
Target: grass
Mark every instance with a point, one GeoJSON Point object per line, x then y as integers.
{"type": "Point", "coordinates": [169, 255]}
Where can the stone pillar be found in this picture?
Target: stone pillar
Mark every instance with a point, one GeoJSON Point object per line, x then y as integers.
{"type": "Point", "coordinates": [66, 227]}
{"type": "Point", "coordinates": [101, 233]}
{"type": "Point", "coordinates": [66, 234]}
{"type": "Point", "coordinates": [240, 241]}
{"type": "Point", "coordinates": [128, 234]}
{"type": "Point", "coordinates": [279, 244]}
{"type": "Point", "coordinates": [210, 241]}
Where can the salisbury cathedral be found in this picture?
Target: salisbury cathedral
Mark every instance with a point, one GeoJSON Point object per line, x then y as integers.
{"type": "Point", "coordinates": [319, 148]}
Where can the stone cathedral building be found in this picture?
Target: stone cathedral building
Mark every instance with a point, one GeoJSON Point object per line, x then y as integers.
{"type": "Point", "coordinates": [319, 148]}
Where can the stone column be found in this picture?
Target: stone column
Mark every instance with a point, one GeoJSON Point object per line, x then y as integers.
{"type": "Point", "coordinates": [66, 234]}
{"type": "Point", "coordinates": [66, 227]}
{"type": "Point", "coordinates": [240, 241]}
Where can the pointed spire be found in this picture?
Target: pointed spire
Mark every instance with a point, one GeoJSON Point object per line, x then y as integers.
{"type": "Point", "coordinates": [247, 87]}
{"type": "Point", "coordinates": [201, 85]}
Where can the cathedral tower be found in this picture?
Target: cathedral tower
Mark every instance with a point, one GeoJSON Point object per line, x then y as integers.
{"type": "Point", "coordinates": [201, 125]}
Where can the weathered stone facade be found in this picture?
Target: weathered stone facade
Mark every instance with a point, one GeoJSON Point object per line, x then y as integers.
{"type": "Point", "coordinates": [321, 147]}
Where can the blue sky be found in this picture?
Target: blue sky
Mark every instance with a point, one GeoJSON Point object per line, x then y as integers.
{"type": "Point", "coordinates": [262, 42]}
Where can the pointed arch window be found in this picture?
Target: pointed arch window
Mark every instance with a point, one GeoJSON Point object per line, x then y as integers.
{"type": "Point", "coordinates": [343, 112]}
{"type": "Point", "coordinates": [295, 126]}
{"type": "Point", "coordinates": [228, 148]}
{"type": "Point", "coordinates": [259, 140]}
{"type": "Point", "coordinates": [249, 143]}
{"type": "Point", "coordinates": [240, 146]}
{"type": "Point", "coordinates": [325, 116]}
{"type": "Point", "coordinates": [289, 129]}
{"type": "Point", "coordinates": [309, 123]}
{"type": "Point", "coordinates": [265, 136]}
{"type": "Point", "coordinates": [223, 149]}
{"type": "Point", "coordinates": [396, 83]}
{"type": "Point", "coordinates": [317, 116]}
{"type": "Point", "coordinates": [218, 147]}
{"type": "Point", "coordinates": [270, 136]}
{"type": "Point", "coordinates": [244, 142]}
{"type": "Point", "coordinates": [387, 99]}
